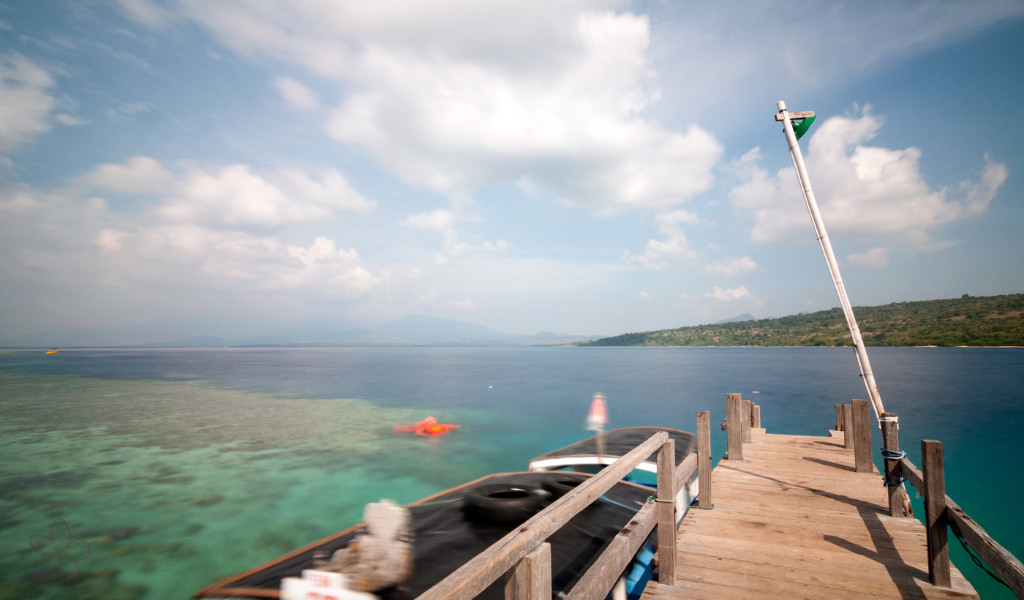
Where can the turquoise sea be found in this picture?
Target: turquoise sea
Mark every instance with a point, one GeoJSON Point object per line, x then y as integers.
{"type": "Point", "coordinates": [176, 468]}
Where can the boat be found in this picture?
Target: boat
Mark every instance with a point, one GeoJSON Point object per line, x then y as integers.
{"type": "Point", "coordinates": [451, 527]}
{"type": "Point", "coordinates": [52, 351]}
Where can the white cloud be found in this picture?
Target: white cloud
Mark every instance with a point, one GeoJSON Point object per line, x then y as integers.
{"type": "Point", "coordinates": [138, 175]}
{"type": "Point", "coordinates": [66, 119]}
{"type": "Point", "coordinates": [443, 221]}
{"type": "Point", "coordinates": [460, 95]}
{"type": "Point", "coordinates": [25, 105]}
{"type": "Point", "coordinates": [732, 267]}
{"type": "Point", "coordinates": [673, 246]}
{"type": "Point", "coordinates": [864, 192]}
{"type": "Point", "coordinates": [876, 258]}
{"type": "Point", "coordinates": [297, 94]}
{"type": "Point", "coordinates": [463, 305]}
{"type": "Point", "coordinates": [232, 197]}
{"type": "Point", "coordinates": [645, 296]}
{"type": "Point", "coordinates": [728, 295]}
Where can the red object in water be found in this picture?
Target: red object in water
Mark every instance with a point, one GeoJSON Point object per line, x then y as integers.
{"type": "Point", "coordinates": [428, 427]}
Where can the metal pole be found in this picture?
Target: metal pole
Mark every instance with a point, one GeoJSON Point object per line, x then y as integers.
{"type": "Point", "coordinates": [830, 259]}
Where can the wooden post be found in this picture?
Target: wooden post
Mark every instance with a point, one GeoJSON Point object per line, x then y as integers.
{"type": "Point", "coordinates": [893, 469]}
{"type": "Point", "coordinates": [862, 436]}
{"type": "Point", "coordinates": [746, 404]}
{"type": "Point", "coordinates": [848, 426]}
{"type": "Point", "coordinates": [733, 434]}
{"type": "Point", "coordinates": [839, 417]}
{"type": "Point", "coordinates": [666, 514]}
{"type": "Point", "coordinates": [935, 512]}
{"type": "Point", "coordinates": [757, 416]}
{"type": "Point", "coordinates": [530, 579]}
{"type": "Point", "coordinates": [704, 459]}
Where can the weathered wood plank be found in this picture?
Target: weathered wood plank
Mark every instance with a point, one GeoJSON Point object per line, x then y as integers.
{"type": "Point", "coordinates": [862, 436]}
{"type": "Point", "coordinates": [1004, 564]}
{"type": "Point", "coordinates": [935, 520]}
{"type": "Point", "coordinates": [747, 407]}
{"type": "Point", "coordinates": [704, 458]}
{"type": "Point", "coordinates": [602, 575]}
{"type": "Point", "coordinates": [667, 513]}
{"type": "Point", "coordinates": [531, 578]}
{"type": "Point", "coordinates": [893, 470]}
{"type": "Point", "coordinates": [733, 434]}
{"type": "Point", "coordinates": [848, 426]}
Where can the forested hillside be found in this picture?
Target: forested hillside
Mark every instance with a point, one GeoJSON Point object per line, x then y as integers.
{"type": "Point", "coordinates": [966, 321]}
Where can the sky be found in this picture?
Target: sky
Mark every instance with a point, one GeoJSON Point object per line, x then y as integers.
{"type": "Point", "coordinates": [590, 168]}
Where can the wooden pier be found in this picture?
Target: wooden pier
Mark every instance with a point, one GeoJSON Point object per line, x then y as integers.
{"type": "Point", "coordinates": [794, 519]}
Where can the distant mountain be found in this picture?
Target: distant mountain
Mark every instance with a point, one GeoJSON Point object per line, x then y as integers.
{"type": "Point", "coordinates": [739, 319]}
{"type": "Point", "coordinates": [965, 321]}
{"type": "Point", "coordinates": [418, 329]}
{"type": "Point", "coordinates": [413, 329]}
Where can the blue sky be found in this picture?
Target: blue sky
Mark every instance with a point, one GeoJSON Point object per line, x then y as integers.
{"type": "Point", "coordinates": [579, 167]}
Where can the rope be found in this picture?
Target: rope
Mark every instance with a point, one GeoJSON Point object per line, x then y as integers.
{"type": "Point", "coordinates": [977, 560]}
{"type": "Point", "coordinates": [893, 454]}
{"type": "Point", "coordinates": [653, 499]}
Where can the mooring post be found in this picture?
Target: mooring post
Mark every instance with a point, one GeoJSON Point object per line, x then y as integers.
{"type": "Point", "coordinates": [530, 579]}
{"type": "Point", "coordinates": [746, 404]}
{"type": "Point", "coordinates": [847, 426]}
{"type": "Point", "coordinates": [733, 431]}
{"type": "Point", "coordinates": [757, 416]}
{"type": "Point", "coordinates": [704, 459]}
{"type": "Point", "coordinates": [935, 512]}
{"type": "Point", "coordinates": [862, 436]}
{"type": "Point", "coordinates": [666, 514]}
{"type": "Point", "coordinates": [893, 468]}
{"type": "Point", "coordinates": [839, 417]}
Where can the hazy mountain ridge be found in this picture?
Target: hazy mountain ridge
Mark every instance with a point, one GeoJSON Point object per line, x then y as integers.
{"type": "Point", "coordinates": [965, 321]}
{"type": "Point", "coordinates": [409, 330]}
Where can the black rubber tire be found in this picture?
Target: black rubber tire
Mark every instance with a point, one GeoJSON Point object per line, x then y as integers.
{"type": "Point", "coordinates": [502, 503]}
{"type": "Point", "coordinates": [562, 484]}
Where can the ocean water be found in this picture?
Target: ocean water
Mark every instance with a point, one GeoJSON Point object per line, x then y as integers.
{"type": "Point", "coordinates": [177, 468]}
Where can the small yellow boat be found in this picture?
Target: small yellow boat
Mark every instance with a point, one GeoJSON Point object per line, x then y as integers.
{"type": "Point", "coordinates": [52, 351]}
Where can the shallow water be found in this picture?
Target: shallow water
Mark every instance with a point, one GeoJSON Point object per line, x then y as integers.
{"type": "Point", "coordinates": [180, 467]}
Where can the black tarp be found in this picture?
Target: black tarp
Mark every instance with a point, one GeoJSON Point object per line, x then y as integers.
{"type": "Point", "coordinates": [445, 540]}
{"type": "Point", "coordinates": [619, 442]}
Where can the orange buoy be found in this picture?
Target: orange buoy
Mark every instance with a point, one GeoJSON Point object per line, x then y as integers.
{"type": "Point", "coordinates": [427, 427]}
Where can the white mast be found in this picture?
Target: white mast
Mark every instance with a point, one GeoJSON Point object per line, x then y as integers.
{"type": "Point", "coordinates": [830, 257]}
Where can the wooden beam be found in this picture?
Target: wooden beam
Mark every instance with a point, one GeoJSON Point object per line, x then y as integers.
{"type": "Point", "coordinates": [531, 578]}
{"type": "Point", "coordinates": [1004, 564]}
{"type": "Point", "coordinates": [893, 469]}
{"type": "Point", "coordinates": [757, 416]}
{"type": "Point", "coordinates": [475, 575]}
{"type": "Point", "coordinates": [848, 426]}
{"type": "Point", "coordinates": [606, 570]}
{"type": "Point", "coordinates": [862, 436]}
{"type": "Point", "coordinates": [733, 434]}
{"type": "Point", "coordinates": [666, 514]}
{"type": "Point", "coordinates": [935, 512]}
{"type": "Point", "coordinates": [796, 115]}
{"type": "Point", "coordinates": [747, 417]}
{"type": "Point", "coordinates": [685, 471]}
{"type": "Point", "coordinates": [839, 417]}
{"type": "Point", "coordinates": [913, 475]}
{"type": "Point", "coordinates": [704, 458]}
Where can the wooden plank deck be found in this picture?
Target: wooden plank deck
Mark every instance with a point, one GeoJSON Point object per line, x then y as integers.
{"type": "Point", "coordinates": [794, 520]}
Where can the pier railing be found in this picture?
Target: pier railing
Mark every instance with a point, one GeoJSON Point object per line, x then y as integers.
{"type": "Point", "coordinates": [940, 510]}
{"type": "Point", "coordinates": [524, 558]}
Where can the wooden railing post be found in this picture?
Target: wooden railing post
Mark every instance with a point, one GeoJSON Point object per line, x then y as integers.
{"type": "Point", "coordinates": [935, 512]}
{"type": "Point", "coordinates": [847, 426]}
{"type": "Point", "coordinates": [746, 405]}
{"type": "Point", "coordinates": [839, 417]}
{"type": "Point", "coordinates": [704, 459]}
{"type": "Point", "coordinates": [862, 436]}
{"type": "Point", "coordinates": [530, 579]}
{"type": "Point", "coordinates": [666, 514]}
{"type": "Point", "coordinates": [733, 432]}
{"type": "Point", "coordinates": [757, 416]}
{"type": "Point", "coordinates": [893, 468]}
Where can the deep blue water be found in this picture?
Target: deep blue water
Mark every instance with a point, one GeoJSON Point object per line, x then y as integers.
{"type": "Point", "coordinates": [512, 403]}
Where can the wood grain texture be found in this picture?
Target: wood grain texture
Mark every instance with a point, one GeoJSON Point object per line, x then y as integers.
{"type": "Point", "coordinates": [704, 458]}
{"type": "Point", "coordinates": [531, 578]}
{"type": "Point", "coordinates": [862, 436]}
{"type": "Point", "coordinates": [666, 513]}
{"type": "Point", "coordinates": [848, 426]}
{"type": "Point", "coordinates": [746, 405]}
{"type": "Point", "coordinates": [733, 434]}
{"type": "Point", "coordinates": [795, 520]}
{"type": "Point", "coordinates": [935, 520]}
{"type": "Point", "coordinates": [893, 469]}
{"type": "Point", "coordinates": [606, 570]}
